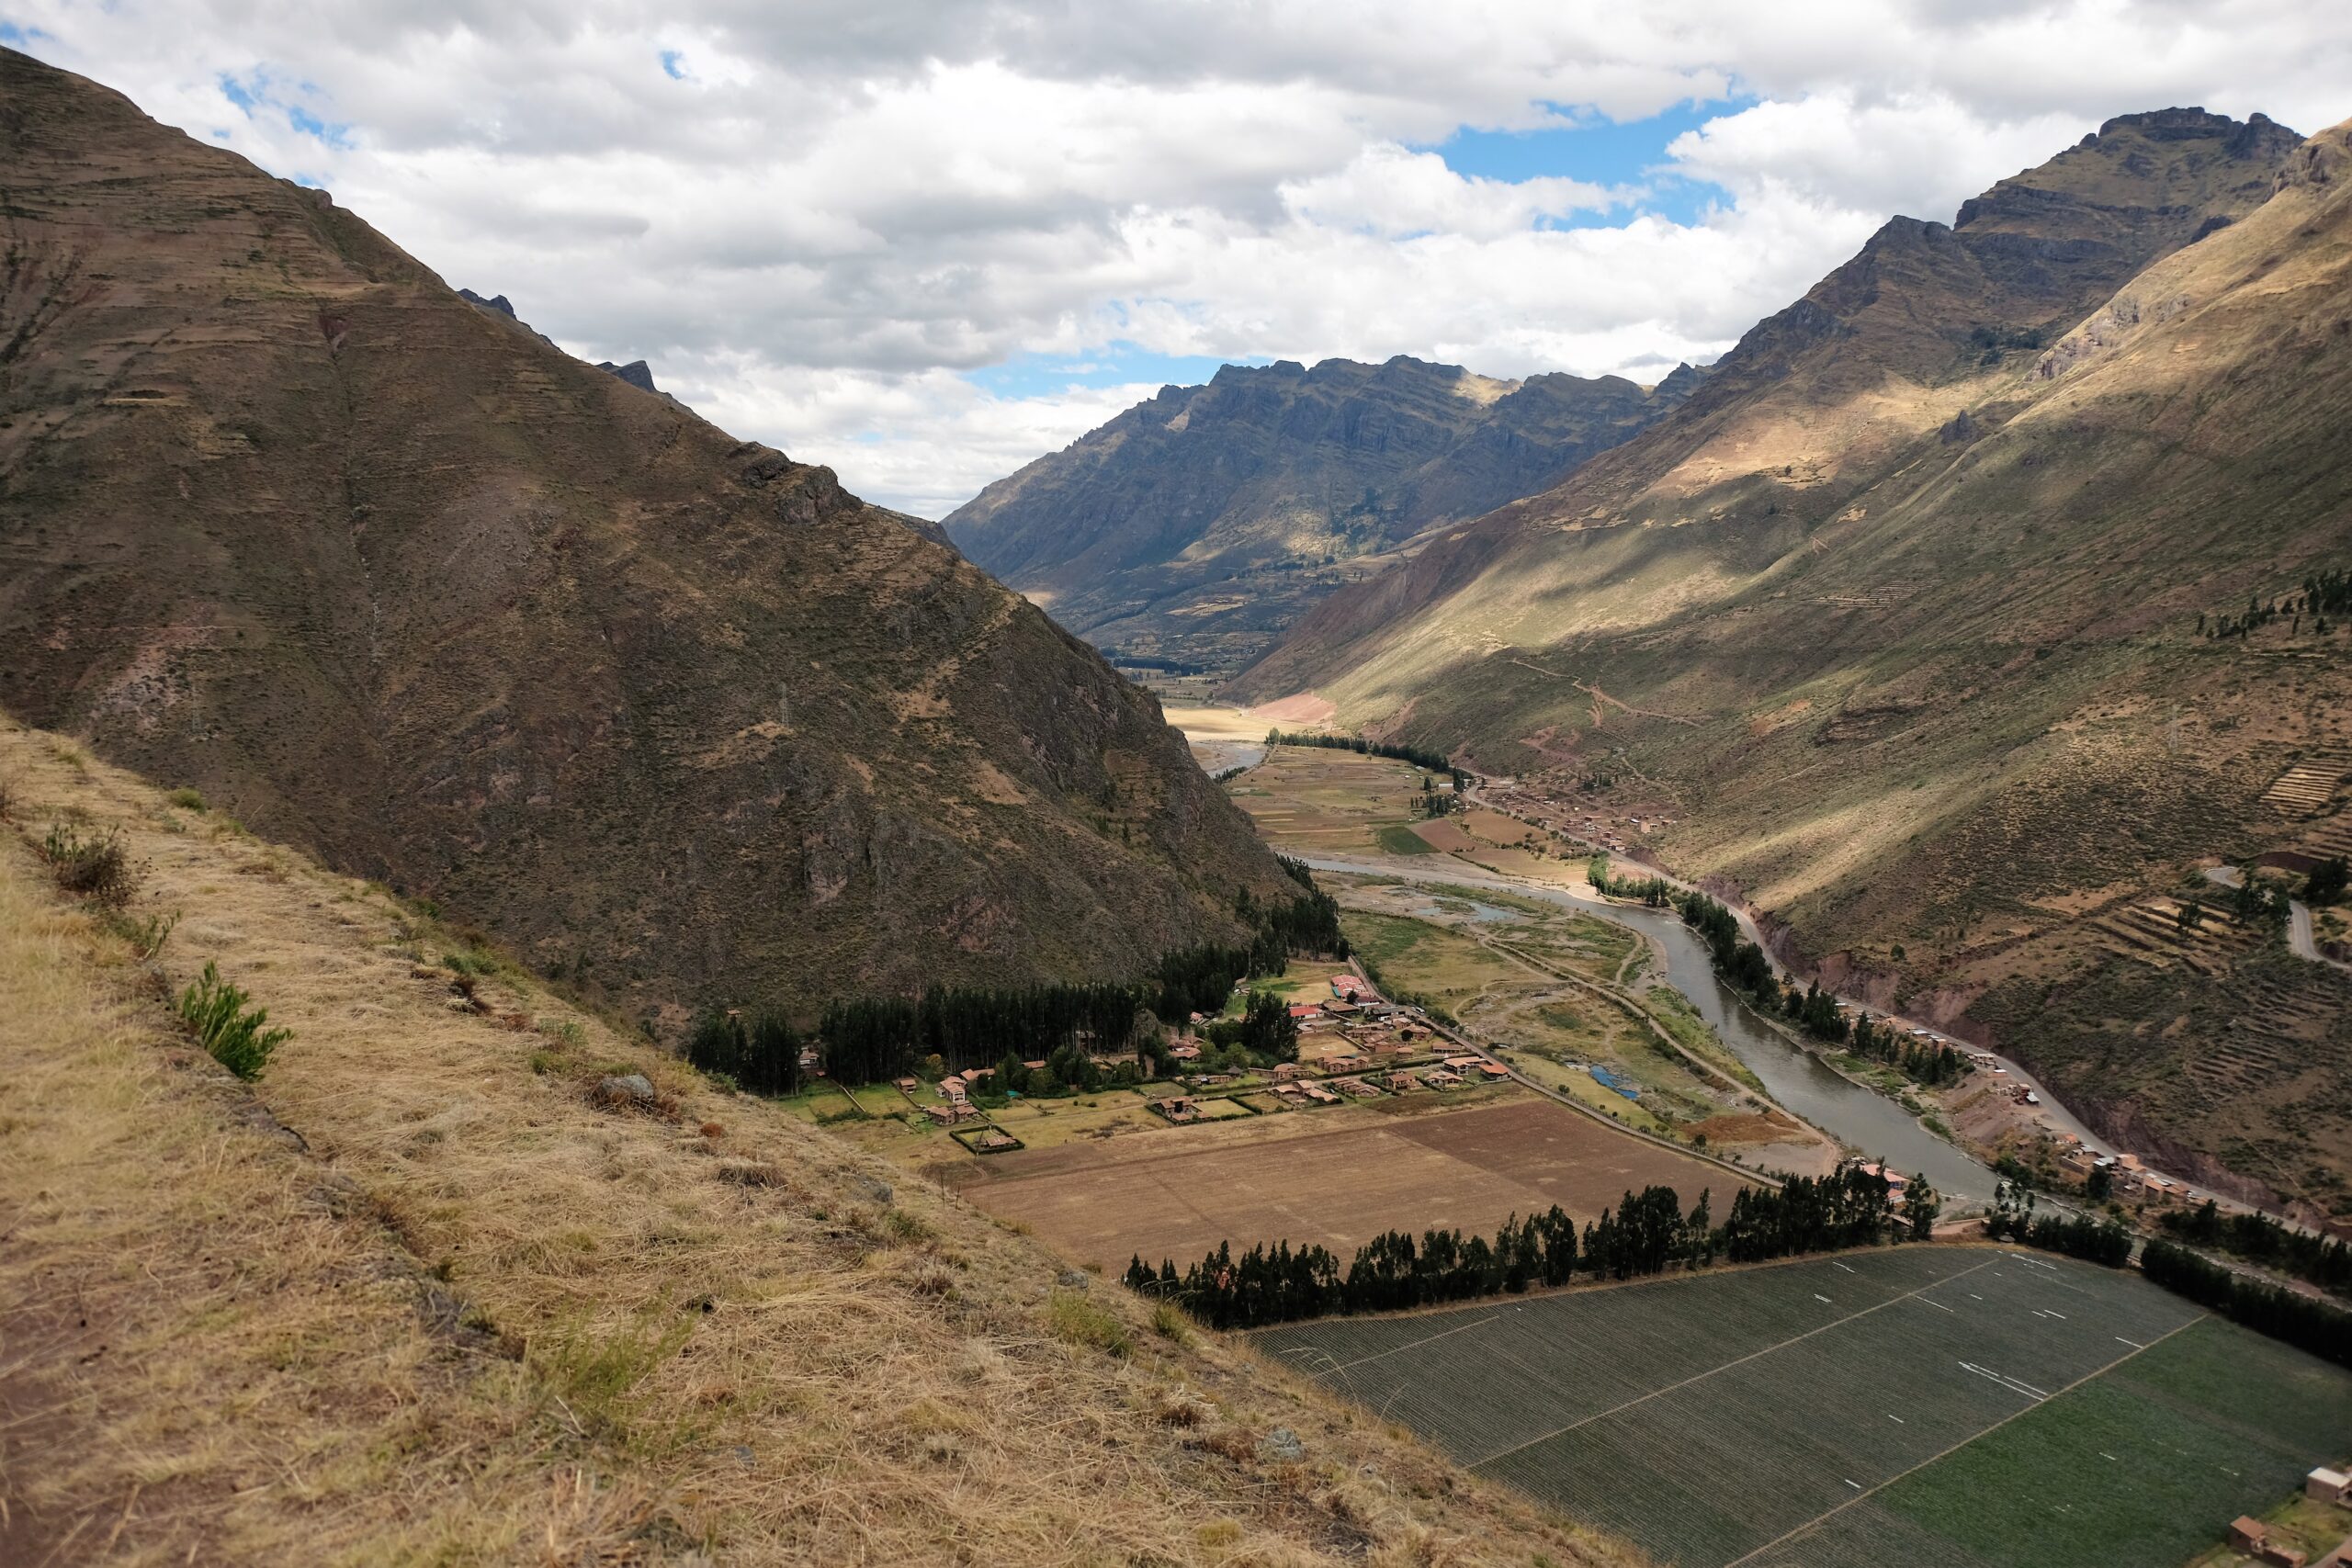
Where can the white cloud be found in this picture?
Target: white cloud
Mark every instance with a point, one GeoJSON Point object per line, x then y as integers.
{"type": "Point", "coordinates": [833, 212]}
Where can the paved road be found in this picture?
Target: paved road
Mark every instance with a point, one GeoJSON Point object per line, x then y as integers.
{"type": "Point", "coordinates": [2301, 941]}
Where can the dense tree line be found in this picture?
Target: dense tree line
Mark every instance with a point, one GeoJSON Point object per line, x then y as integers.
{"type": "Point", "coordinates": [2013, 1219]}
{"type": "Point", "coordinates": [1846, 1208]}
{"type": "Point", "coordinates": [1646, 1234]}
{"type": "Point", "coordinates": [1930, 1061]}
{"type": "Point", "coordinates": [761, 1058]}
{"type": "Point", "coordinates": [2305, 1322]}
{"type": "Point", "coordinates": [1419, 755]}
{"type": "Point", "coordinates": [1739, 961]}
{"type": "Point", "coordinates": [2258, 1239]}
{"type": "Point", "coordinates": [870, 1038]}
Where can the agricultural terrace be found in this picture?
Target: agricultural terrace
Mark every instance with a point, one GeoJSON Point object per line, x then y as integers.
{"type": "Point", "coordinates": [1959, 1406]}
{"type": "Point", "coordinates": [1337, 1175]}
{"type": "Point", "coordinates": [1507, 969]}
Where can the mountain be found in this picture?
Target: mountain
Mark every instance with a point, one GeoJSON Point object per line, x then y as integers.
{"type": "Point", "coordinates": [1196, 527]}
{"type": "Point", "coordinates": [1901, 625]}
{"type": "Point", "coordinates": [637, 373]}
{"type": "Point", "coordinates": [286, 519]}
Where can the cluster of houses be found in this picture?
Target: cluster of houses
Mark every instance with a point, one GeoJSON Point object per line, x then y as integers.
{"type": "Point", "coordinates": [956, 1089]}
{"type": "Point", "coordinates": [2263, 1543]}
{"type": "Point", "coordinates": [2130, 1175]}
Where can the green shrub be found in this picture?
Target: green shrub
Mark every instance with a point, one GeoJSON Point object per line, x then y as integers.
{"type": "Point", "coordinates": [216, 1014]}
{"type": "Point", "coordinates": [1081, 1322]}
{"type": "Point", "coordinates": [186, 799]}
{"type": "Point", "coordinates": [1167, 1319]}
{"type": "Point", "coordinates": [146, 936]}
{"type": "Point", "coordinates": [96, 868]}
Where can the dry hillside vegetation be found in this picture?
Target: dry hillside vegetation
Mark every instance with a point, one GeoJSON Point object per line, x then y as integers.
{"type": "Point", "coordinates": [1894, 629]}
{"type": "Point", "coordinates": [1196, 527]}
{"type": "Point", "coordinates": [418, 1296]}
{"type": "Point", "coordinates": [396, 579]}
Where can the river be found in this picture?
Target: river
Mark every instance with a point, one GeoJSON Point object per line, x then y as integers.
{"type": "Point", "coordinates": [1807, 1087]}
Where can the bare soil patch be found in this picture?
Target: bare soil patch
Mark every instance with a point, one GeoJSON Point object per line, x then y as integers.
{"type": "Point", "coordinates": [1338, 1177]}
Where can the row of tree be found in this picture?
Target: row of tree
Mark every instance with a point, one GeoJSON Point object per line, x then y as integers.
{"type": "Point", "coordinates": [2014, 1218]}
{"type": "Point", "coordinates": [2258, 1239]}
{"type": "Point", "coordinates": [1648, 1233]}
{"type": "Point", "coordinates": [763, 1056]}
{"type": "Point", "coordinates": [2324, 593]}
{"type": "Point", "coordinates": [2307, 1323]}
{"type": "Point", "coordinates": [1419, 755]}
{"type": "Point", "coordinates": [871, 1039]}
{"type": "Point", "coordinates": [1930, 1061]}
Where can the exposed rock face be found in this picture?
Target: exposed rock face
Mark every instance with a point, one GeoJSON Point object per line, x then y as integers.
{"type": "Point", "coordinates": [637, 373]}
{"type": "Point", "coordinates": [1897, 617]}
{"type": "Point", "coordinates": [498, 302]}
{"type": "Point", "coordinates": [283, 517]}
{"type": "Point", "coordinates": [1197, 525]}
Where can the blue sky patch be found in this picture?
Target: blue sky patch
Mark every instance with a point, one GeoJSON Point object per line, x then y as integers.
{"type": "Point", "coordinates": [16, 37]}
{"type": "Point", "coordinates": [308, 124]}
{"type": "Point", "coordinates": [1600, 152]}
{"type": "Point", "coordinates": [1115, 365]}
{"type": "Point", "coordinates": [673, 64]}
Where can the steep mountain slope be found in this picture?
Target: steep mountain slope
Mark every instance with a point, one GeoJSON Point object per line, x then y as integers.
{"type": "Point", "coordinates": [284, 518]}
{"type": "Point", "coordinates": [1197, 525]}
{"type": "Point", "coordinates": [1895, 627]}
{"type": "Point", "coordinates": [421, 1295]}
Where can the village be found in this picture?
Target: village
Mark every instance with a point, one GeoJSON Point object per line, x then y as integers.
{"type": "Point", "coordinates": [1354, 1045]}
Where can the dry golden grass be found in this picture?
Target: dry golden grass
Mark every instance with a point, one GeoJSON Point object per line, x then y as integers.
{"type": "Point", "coordinates": [482, 1319]}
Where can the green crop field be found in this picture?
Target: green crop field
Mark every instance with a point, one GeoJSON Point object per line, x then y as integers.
{"type": "Point", "coordinates": [1958, 1407]}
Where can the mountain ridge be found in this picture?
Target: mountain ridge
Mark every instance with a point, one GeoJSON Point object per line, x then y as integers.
{"type": "Point", "coordinates": [1198, 523]}
{"type": "Point", "coordinates": [283, 518]}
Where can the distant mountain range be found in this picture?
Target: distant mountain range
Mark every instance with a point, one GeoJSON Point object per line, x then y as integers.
{"type": "Point", "coordinates": [383, 572]}
{"type": "Point", "coordinates": [1903, 624]}
{"type": "Point", "coordinates": [1195, 527]}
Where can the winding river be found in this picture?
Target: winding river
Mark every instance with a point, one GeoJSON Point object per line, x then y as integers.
{"type": "Point", "coordinates": [1799, 1080]}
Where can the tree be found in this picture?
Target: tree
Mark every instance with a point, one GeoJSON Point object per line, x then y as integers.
{"type": "Point", "coordinates": [2326, 882]}
{"type": "Point", "coordinates": [1920, 1206]}
{"type": "Point", "coordinates": [2099, 1186]}
{"type": "Point", "coordinates": [1268, 1029]}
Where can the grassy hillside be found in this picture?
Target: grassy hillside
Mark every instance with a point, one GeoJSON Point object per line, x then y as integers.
{"type": "Point", "coordinates": [1895, 629]}
{"type": "Point", "coordinates": [1198, 525]}
{"type": "Point", "coordinates": [418, 1296]}
{"type": "Point", "coordinates": [393, 577]}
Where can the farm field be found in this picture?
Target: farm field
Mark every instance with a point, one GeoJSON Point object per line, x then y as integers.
{"type": "Point", "coordinates": [1306, 797]}
{"type": "Point", "coordinates": [1493, 962]}
{"type": "Point", "coordinates": [1953, 1406]}
{"type": "Point", "coordinates": [1337, 1175]}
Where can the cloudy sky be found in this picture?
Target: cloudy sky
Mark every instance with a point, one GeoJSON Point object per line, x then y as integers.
{"type": "Point", "coordinates": [924, 243]}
